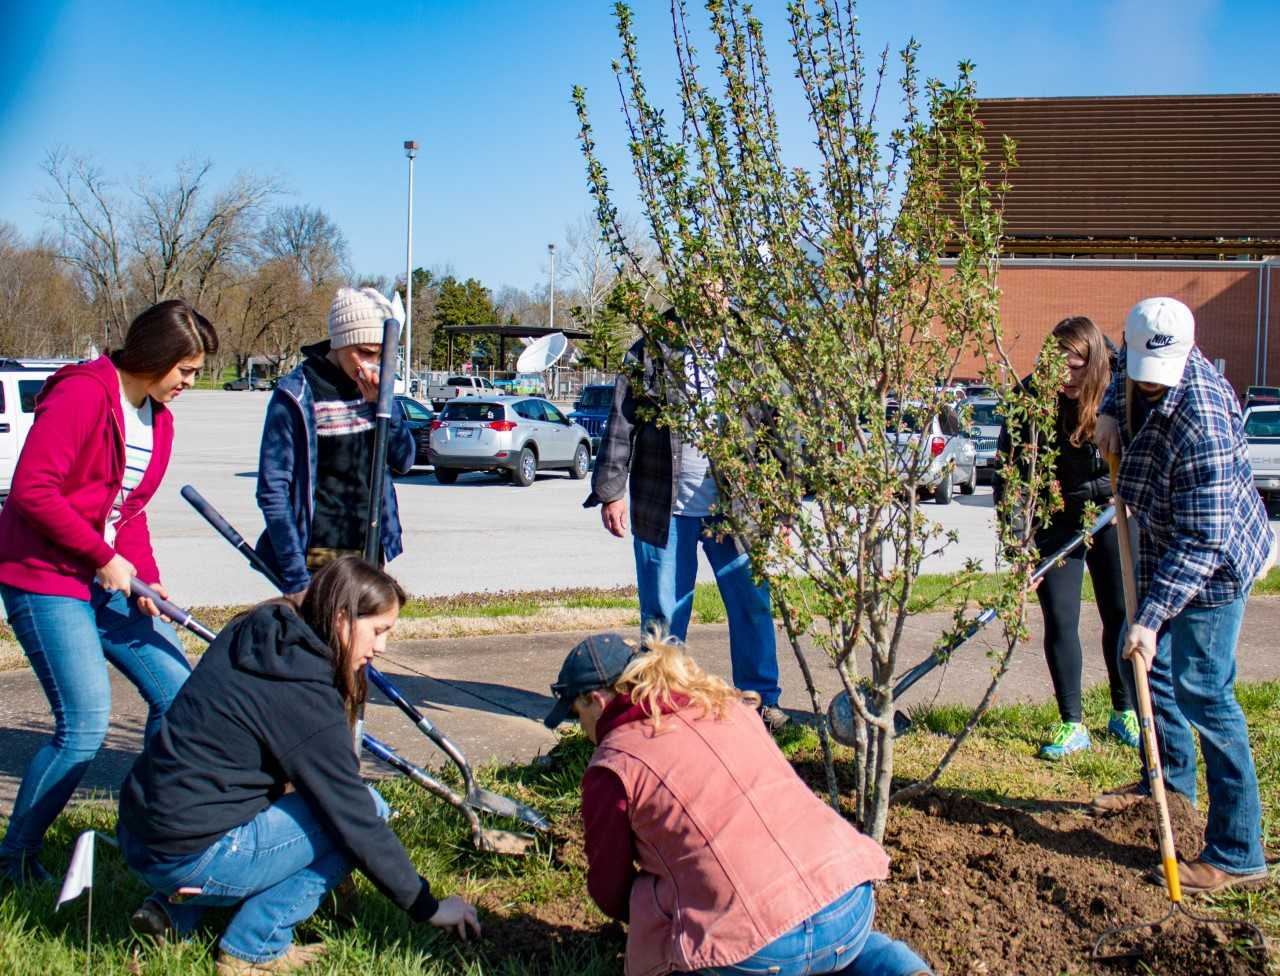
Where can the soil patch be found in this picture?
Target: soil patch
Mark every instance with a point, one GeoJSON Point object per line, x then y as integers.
{"type": "Point", "coordinates": [981, 887]}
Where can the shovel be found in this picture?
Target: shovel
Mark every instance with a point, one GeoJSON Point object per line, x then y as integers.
{"type": "Point", "coordinates": [485, 839]}
{"type": "Point", "coordinates": [1155, 773]}
{"type": "Point", "coordinates": [840, 712]}
{"type": "Point", "coordinates": [478, 798]}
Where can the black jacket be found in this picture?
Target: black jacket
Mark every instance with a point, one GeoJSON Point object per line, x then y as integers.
{"type": "Point", "coordinates": [1081, 472]}
{"type": "Point", "coordinates": [259, 711]}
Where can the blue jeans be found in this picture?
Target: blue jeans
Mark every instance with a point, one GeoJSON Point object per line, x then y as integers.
{"type": "Point", "coordinates": [837, 939]}
{"type": "Point", "coordinates": [69, 643]}
{"type": "Point", "coordinates": [278, 867]}
{"type": "Point", "coordinates": [1192, 685]}
{"type": "Point", "coordinates": [665, 578]}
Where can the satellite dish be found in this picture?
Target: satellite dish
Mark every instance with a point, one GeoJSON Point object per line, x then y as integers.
{"type": "Point", "coordinates": [542, 354]}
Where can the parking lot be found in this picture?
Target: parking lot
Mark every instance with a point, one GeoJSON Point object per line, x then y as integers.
{"type": "Point", "coordinates": [480, 534]}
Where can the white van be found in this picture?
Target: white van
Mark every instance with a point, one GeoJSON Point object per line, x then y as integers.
{"type": "Point", "coordinates": [19, 383]}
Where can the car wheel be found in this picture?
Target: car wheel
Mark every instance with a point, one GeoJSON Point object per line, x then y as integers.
{"type": "Point", "coordinates": [581, 463]}
{"type": "Point", "coordinates": [446, 476]}
{"type": "Point", "coordinates": [526, 468]}
{"type": "Point", "coordinates": [942, 494]}
{"type": "Point", "coordinates": [227, 387]}
{"type": "Point", "coordinates": [970, 486]}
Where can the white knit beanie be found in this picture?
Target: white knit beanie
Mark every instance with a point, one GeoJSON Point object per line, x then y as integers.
{"type": "Point", "coordinates": [355, 317]}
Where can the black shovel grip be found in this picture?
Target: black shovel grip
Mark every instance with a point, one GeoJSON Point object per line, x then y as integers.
{"type": "Point", "coordinates": [228, 532]}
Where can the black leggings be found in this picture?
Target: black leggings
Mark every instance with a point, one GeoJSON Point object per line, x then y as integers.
{"type": "Point", "coordinates": [1059, 595]}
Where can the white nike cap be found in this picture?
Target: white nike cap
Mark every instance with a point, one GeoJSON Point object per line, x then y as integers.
{"type": "Point", "coordinates": [1158, 336]}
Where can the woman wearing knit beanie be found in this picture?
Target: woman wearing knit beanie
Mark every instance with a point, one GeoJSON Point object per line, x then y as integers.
{"type": "Point", "coordinates": [315, 461]}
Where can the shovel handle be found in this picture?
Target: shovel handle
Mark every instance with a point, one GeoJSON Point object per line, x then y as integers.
{"type": "Point", "coordinates": [1150, 746]}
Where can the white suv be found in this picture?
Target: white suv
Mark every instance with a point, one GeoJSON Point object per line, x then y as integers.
{"type": "Point", "coordinates": [19, 384]}
{"type": "Point", "coordinates": [515, 436]}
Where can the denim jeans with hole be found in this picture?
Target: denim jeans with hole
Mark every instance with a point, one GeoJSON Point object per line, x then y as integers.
{"type": "Point", "coordinates": [69, 643]}
{"type": "Point", "coordinates": [278, 868]}
{"type": "Point", "coordinates": [1193, 686]}
{"type": "Point", "coordinates": [665, 578]}
{"type": "Point", "coordinates": [837, 939]}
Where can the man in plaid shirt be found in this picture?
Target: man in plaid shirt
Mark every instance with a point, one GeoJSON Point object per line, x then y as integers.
{"type": "Point", "coordinates": [674, 496]}
{"type": "Point", "coordinates": [1203, 538]}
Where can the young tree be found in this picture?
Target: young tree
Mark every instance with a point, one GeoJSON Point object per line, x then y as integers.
{"type": "Point", "coordinates": [832, 307]}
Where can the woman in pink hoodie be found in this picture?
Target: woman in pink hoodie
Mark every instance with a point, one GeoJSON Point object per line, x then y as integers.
{"type": "Point", "coordinates": [73, 533]}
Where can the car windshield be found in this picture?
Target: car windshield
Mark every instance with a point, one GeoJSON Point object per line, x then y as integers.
{"type": "Point", "coordinates": [471, 410]}
{"type": "Point", "coordinates": [902, 420]}
{"type": "Point", "coordinates": [596, 397]}
{"type": "Point", "coordinates": [1264, 423]}
{"type": "Point", "coordinates": [984, 415]}
{"type": "Point", "coordinates": [1263, 391]}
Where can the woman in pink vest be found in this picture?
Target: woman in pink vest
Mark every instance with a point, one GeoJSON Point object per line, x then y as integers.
{"type": "Point", "coordinates": [701, 836]}
{"type": "Point", "coordinates": [73, 533]}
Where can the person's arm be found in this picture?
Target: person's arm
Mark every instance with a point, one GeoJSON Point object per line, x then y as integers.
{"type": "Point", "coordinates": [324, 769]}
{"type": "Point", "coordinates": [613, 460]}
{"type": "Point", "coordinates": [401, 450]}
{"type": "Point", "coordinates": [610, 846]}
{"type": "Point", "coordinates": [277, 463]}
{"type": "Point", "coordinates": [63, 426]}
{"type": "Point", "coordinates": [1202, 509]}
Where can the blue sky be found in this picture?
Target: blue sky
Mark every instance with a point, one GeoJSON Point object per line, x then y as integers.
{"type": "Point", "coordinates": [321, 96]}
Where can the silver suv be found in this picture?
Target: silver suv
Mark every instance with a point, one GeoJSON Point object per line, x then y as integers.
{"type": "Point", "coordinates": [985, 423]}
{"type": "Point", "coordinates": [512, 435]}
{"type": "Point", "coordinates": [952, 457]}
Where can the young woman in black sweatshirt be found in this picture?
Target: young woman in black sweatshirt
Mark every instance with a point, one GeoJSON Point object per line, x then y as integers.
{"type": "Point", "coordinates": [204, 813]}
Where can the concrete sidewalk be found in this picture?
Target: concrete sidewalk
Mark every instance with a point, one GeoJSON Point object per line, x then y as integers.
{"type": "Point", "coordinates": [489, 694]}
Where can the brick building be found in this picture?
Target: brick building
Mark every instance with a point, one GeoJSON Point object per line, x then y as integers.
{"type": "Point", "coordinates": [1118, 199]}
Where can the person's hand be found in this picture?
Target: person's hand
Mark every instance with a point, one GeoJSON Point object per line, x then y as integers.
{"type": "Point", "coordinates": [115, 576]}
{"type": "Point", "coordinates": [458, 914]}
{"type": "Point", "coordinates": [296, 598]}
{"type": "Point", "coordinates": [1140, 640]}
{"type": "Point", "coordinates": [148, 606]}
{"type": "Point", "coordinates": [367, 379]}
{"type": "Point", "coordinates": [1106, 434]}
{"type": "Point", "coordinates": [614, 516]}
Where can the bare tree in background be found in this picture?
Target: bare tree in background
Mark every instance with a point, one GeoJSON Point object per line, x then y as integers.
{"type": "Point", "coordinates": [176, 239]}
{"type": "Point", "coordinates": [42, 310]}
{"type": "Point", "coordinates": [308, 237]}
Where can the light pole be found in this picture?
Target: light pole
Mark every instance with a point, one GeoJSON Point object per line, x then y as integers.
{"type": "Point", "coordinates": [551, 249]}
{"type": "Point", "coordinates": [410, 150]}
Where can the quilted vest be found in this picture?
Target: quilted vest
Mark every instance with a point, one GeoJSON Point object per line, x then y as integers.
{"type": "Point", "coordinates": [734, 849]}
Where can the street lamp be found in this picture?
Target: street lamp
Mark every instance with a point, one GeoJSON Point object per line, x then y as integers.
{"type": "Point", "coordinates": [411, 151]}
{"type": "Point", "coordinates": [551, 249]}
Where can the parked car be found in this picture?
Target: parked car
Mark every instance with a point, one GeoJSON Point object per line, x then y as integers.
{"type": "Point", "coordinates": [418, 418]}
{"type": "Point", "coordinates": [984, 430]}
{"type": "Point", "coordinates": [952, 456]}
{"type": "Point", "coordinates": [591, 410]}
{"type": "Point", "coordinates": [19, 384]}
{"type": "Point", "coordinates": [1256, 396]}
{"type": "Point", "coordinates": [459, 386]}
{"type": "Point", "coordinates": [512, 435]}
{"type": "Point", "coordinates": [1262, 430]}
{"type": "Point", "coordinates": [250, 383]}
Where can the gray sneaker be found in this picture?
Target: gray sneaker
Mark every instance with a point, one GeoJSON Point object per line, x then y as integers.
{"type": "Point", "coordinates": [774, 718]}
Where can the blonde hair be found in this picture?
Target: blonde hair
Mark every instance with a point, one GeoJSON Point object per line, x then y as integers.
{"type": "Point", "coordinates": [663, 670]}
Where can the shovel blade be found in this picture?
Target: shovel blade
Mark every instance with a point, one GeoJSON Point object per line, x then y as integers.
{"type": "Point", "coordinates": [506, 842]}
{"type": "Point", "coordinates": [504, 806]}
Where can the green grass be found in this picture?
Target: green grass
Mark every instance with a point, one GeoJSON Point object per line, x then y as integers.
{"type": "Point", "coordinates": [536, 915]}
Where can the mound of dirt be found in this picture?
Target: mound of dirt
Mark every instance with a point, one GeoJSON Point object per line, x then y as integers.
{"type": "Point", "coordinates": [993, 888]}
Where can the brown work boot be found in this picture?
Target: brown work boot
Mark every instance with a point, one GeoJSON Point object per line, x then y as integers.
{"type": "Point", "coordinates": [1201, 878]}
{"type": "Point", "coordinates": [774, 718]}
{"type": "Point", "coordinates": [1117, 801]}
{"type": "Point", "coordinates": [298, 957]}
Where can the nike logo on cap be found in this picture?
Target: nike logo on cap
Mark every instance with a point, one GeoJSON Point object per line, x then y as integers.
{"type": "Point", "coordinates": [1160, 340]}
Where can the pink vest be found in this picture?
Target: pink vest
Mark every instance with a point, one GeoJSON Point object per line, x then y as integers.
{"type": "Point", "coordinates": [734, 849]}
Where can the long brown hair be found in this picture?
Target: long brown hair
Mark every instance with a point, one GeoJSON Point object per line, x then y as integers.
{"type": "Point", "coordinates": [348, 588]}
{"type": "Point", "coordinates": [162, 336]}
{"type": "Point", "coordinates": [1079, 336]}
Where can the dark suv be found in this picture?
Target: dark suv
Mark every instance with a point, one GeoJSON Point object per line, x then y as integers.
{"type": "Point", "coordinates": [591, 410]}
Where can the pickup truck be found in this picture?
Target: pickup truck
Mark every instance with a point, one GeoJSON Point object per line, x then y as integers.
{"type": "Point", "coordinates": [459, 386]}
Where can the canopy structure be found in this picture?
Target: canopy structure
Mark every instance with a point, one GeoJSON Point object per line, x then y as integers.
{"type": "Point", "coordinates": [505, 332]}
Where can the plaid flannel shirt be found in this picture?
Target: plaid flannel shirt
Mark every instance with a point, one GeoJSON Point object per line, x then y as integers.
{"type": "Point", "coordinates": [636, 449]}
{"type": "Point", "coordinates": [1203, 533]}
